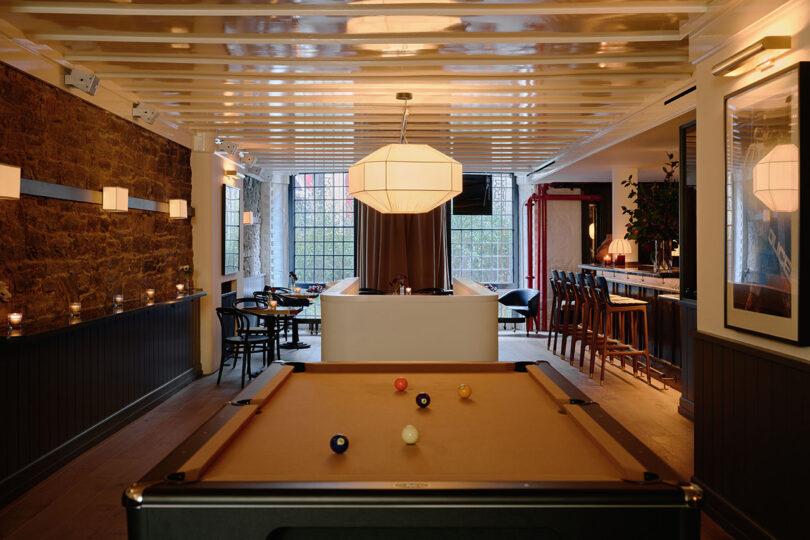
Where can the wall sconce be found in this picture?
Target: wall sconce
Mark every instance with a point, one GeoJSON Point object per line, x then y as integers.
{"type": "Point", "coordinates": [761, 52]}
{"type": "Point", "coordinates": [115, 199]}
{"type": "Point", "coordinates": [247, 218]}
{"type": "Point", "coordinates": [9, 182]}
{"type": "Point", "coordinates": [178, 209]}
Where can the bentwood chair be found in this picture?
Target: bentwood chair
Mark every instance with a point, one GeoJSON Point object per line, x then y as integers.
{"type": "Point", "coordinates": [258, 324]}
{"type": "Point", "coordinates": [243, 343]}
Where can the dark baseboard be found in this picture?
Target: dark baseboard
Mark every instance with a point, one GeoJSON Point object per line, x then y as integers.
{"type": "Point", "coordinates": [731, 519]}
{"type": "Point", "coordinates": [24, 479]}
{"type": "Point", "coordinates": [686, 408]}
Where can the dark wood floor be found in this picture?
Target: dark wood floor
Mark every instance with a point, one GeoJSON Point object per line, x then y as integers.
{"type": "Point", "coordinates": [83, 499]}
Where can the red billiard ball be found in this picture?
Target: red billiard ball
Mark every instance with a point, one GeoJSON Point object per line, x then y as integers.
{"type": "Point", "coordinates": [401, 383]}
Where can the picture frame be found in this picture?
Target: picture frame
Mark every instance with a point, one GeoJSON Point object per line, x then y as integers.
{"type": "Point", "coordinates": [767, 195]}
{"type": "Point", "coordinates": [231, 226]}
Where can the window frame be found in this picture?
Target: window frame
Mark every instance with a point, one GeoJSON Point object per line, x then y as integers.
{"type": "Point", "coordinates": [291, 225]}
{"type": "Point", "coordinates": [515, 233]}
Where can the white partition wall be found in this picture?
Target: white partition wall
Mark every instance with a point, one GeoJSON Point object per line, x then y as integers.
{"type": "Point", "coordinates": [392, 328]}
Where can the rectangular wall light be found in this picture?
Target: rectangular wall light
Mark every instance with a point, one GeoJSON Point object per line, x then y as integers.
{"type": "Point", "coordinates": [751, 57]}
{"type": "Point", "coordinates": [9, 182]}
{"type": "Point", "coordinates": [247, 218]}
{"type": "Point", "coordinates": [178, 209]}
{"type": "Point", "coordinates": [115, 199]}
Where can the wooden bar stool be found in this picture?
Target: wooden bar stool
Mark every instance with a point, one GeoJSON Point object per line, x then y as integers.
{"type": "Point", "coordinates": [554, 316]}
{"type": "Point", "coordinates": [579, 320]}
{"type": "Point", "coordinates": [568, 311]}
{"type": "Point", "coordinates": [614, 313]}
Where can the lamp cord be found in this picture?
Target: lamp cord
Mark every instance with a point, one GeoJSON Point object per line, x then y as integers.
{"type": "Point", "coordinates": [402, 137]}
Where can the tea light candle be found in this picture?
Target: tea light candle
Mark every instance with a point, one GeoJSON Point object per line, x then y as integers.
{"type": "Point", "coordinates": [607, 259]}
{"type": "Point", "coordinates": [119, 309]}
{"type": "Point", "coordinates": [119, 299]}
{"type": "Point", "coordinates": [14, 319]}
{"type": "Point", "coordinates": [75, 309]}
{"type": "Point", "coordinates": [180, 288]}
{"type": "Point", "coordinates": [407, 290]}
{"type": "Point", "coordinates": [150, 294]}
{"type": "Point", "coordinates": [298, 290]}
{"type": "Point", "coordinates": [273, 304]}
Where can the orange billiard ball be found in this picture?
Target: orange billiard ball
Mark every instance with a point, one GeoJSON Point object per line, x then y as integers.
{"type": "Point", "coordinates": [401, 383]}
{"type": "Point", "coordinates": [464, 391]}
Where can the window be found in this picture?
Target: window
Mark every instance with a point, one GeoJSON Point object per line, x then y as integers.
{"type": "Point", "coordinates": [322, 223]}
{"type": "Point", "coordinates": [230, 229]}
{"type": "Point", "coordinates": [482, 248]}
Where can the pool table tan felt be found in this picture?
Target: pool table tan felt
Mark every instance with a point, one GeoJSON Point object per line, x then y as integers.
{"type": "Point", "coordinates": [515, 427]}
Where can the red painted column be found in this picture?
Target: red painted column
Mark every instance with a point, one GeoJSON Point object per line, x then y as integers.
{"type": "Point", "coordinates": [529, 240]}
{"type": "Point", "coordinates": [542, 263]}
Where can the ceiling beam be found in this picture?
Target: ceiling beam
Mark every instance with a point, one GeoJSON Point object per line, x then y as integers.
{"type": "Point", "coordinates": [607, 75]}
{"type": "Point", "coordinates": [209, 9]}
{"type": "Point", "coordinates": [364, 99]}
{"type": "Point", "coordinates": [299, 38]}
{"type": "Point", "coordinates": [395, 109]}
{"type": "Point", "coordinates": [430, 59]}
{"type": "Point", "coordinates": [384, 129]}
{"type": "Point", "coordinates": [396, 118]}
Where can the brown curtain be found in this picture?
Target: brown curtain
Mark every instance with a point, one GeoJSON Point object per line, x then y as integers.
{"type": "Point", "coordinates": [411, 244]}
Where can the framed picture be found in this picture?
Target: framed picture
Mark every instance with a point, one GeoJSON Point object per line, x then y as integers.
{"type": "Point", "coordinates": [767, 205]}
{"type": "Point", "coordinates": [230, 229]}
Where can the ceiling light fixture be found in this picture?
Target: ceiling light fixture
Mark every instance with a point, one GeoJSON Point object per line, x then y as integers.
{"type": "Point", "coordinates": [761, 53]}
{"type": "Point", "coordinates": [399, 24]}
{"type": "Point", "coordinates": [405, 178]}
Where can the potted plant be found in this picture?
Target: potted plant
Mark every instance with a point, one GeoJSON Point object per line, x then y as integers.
{"type": "Point", "coordinates": [655, 215]}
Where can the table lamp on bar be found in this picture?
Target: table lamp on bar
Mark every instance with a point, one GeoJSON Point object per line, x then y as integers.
{"type": "Point", "coordinates": [618, 249]}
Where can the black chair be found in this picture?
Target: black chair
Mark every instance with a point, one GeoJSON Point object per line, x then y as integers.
{"type": "Point", "coordinates": [258, 324]}
{"type": "Point", "coordinates": [524, 301]}
{"type": "Point", "coordinates": [435, 291]}
{"type": "Point", "coordinates": [368, 290]}
{"type": "Point", "coordinates": [269, 289]}
{"type": "Point", "coordinates": [243, 342]}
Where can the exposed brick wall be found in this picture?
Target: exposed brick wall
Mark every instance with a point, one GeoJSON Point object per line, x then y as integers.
{"type": "Point", "coordinates": [53, 252]}
{"type": "Point", "coordinates": [252, 237]}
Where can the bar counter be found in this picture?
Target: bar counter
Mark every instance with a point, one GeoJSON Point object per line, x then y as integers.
{"type": "Point", "coordinates": [67, 386]}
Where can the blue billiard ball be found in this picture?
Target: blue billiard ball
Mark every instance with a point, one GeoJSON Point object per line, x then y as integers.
{"type": "Point", "coordinates": [422, 399]}
{"type": "Point", "coordinates": [339, 443]}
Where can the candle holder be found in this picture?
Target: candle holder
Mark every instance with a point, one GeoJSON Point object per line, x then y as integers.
{"type": "Point", "coordinates": [273, 304]}
{"type": "Point", "coordinates": [75, 310]}
{"type": "Point", "coordinates": [181, 287]}
{"type": "Point", "coordinates": [15, 320]}
{"type": "Point", "coordinates": [407, 291]}
{"type": "Point", "coordinates": [118, 300]}
{"type": "Point", "coordinates": [118, 309]}
{"type": "Point", "coordinates": [150, 294]}
{"type": "Point", "coordinates": [298, 290]}
{"type": "Point", "coordinates": [607, 260]}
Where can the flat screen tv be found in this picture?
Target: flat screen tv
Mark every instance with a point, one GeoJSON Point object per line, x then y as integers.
{"type": "Point", "coordinates": [476, 196]}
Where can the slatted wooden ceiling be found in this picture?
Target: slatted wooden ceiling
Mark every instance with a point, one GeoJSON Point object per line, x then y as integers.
{"type": "Point", "coordinates": [310, 84]}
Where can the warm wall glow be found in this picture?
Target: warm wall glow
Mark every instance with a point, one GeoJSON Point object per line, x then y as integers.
{"type": "Point", "coordinates": [9, 182]}
{"type": "Point", "coordinates": [776, 179]}
{"type": "Point", "coordinates": [405, 179]}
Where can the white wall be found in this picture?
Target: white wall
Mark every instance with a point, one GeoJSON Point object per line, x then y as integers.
{"type": "Point", "coordinates": [792, 19]}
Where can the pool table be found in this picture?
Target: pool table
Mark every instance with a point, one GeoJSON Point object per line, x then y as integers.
{"type": "Point", "coordinates": [527, 455]}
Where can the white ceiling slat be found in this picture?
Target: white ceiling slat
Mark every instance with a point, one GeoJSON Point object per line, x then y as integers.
{"type": "Point", "coordinates": [436, 77]}
{"type": "Point", "coordinates": [385, 100]}
{"type": "Point", "coordinates": [381, 61]}
{"type": "Point", "coordinates": [353, 10]}
{"type": "Point", "coordinates": [301, 38]}
{"type": "Point", "coordinates": [397, 109]}
{"type": "Point", "coordinates": [379, 130]}
{"type": "Point", "coordinates": [392, 117]}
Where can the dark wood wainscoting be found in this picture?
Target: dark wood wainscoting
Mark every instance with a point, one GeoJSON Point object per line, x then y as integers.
{"type": "Point", "coordinates": [66, 389]}
{"type": "Point", "coordinates": [752, 438]}
{"type": "Point", "coordinates": [686, 405]}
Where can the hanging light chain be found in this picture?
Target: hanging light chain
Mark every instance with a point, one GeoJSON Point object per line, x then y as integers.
{"type": "Point", "coordinates": [405, 96]}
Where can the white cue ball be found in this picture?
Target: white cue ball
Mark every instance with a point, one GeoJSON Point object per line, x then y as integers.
{"type": "Point", "coordinates": [410, 434]}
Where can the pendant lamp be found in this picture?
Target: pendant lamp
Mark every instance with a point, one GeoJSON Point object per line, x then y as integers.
{"type": "Point", "coordinates": [405, 178]}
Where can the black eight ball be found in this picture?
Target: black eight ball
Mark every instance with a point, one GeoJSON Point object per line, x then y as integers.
{"type": "Point", "coordinates": [422, 399]}
{"type": "Point", "coordinates": [339, 443]}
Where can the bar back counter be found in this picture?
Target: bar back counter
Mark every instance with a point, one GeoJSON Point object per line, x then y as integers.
{"type": "Point", "coordinates": [68, 383]}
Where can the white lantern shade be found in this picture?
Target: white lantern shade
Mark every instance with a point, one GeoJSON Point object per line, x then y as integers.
{"type": "Point", "coordinates": [776, 179]}
{"type": "Point", "coordinates": [178, 209]}
{"type": "Point", "coordinates": [9, 182]}
{"type": "Point", "coordinates": [115, 199]}
{"type": "Point", "coordinates": [620, 246]}
{"type": "Point", "coordinates": [405, 179]}
{"type": "Point", "coordinates": [247, 218]}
